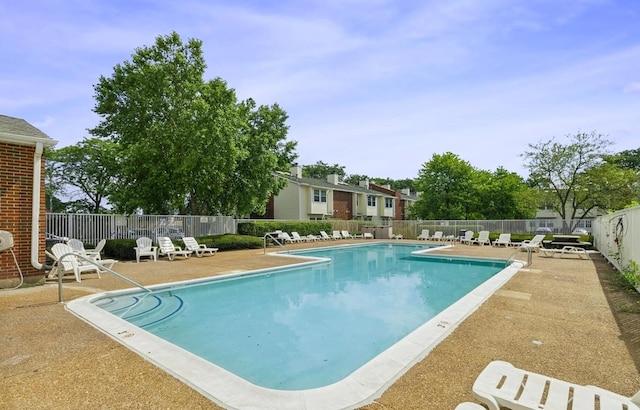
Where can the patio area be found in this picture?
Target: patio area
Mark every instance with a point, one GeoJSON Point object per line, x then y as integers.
{"type": "Point", "coordinates": [564, 317]}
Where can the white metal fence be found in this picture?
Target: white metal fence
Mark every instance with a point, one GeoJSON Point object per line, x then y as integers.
{"type": "Point", "coordinates": [411, 229]}
{"type": "Point", "coordinates": [617, 237]}
{"type": "Point", "coordinates": [91, 228]}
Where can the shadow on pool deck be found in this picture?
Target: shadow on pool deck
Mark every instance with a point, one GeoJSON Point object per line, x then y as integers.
{"type": "Point", "coordinates": [588, 327]}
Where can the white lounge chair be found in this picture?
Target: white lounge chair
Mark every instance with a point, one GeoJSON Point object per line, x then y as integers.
{"type": "Point", "coordinates": [469, 406]}
{"type": "Point", "coordinates": [325, 236]}
{"type": "Point", "coordinates": [168, 249]}
{"type": "Point", "coordinates": [145, 248]}
{"type": "Point", "coordinates": [299, 238]}
{"type": "Point", "coordinates": [347, 235]}
{"type": "Point", "coordinates": [424, 235]}
{"type": "Point", "coordinates": [482, 239]}
{"type": "Point", "coordinates": [468, 236]}
{"type": "Point", "coordinates": [501, 384]}
{"type": "Point", "coordinates": [367, 235]}
{"type": "Point", "coordinates": [503, 240]}
{"type": "Point", "coordinates": [287, 238]}
{"type": "Point", "coordinates": [66, 261]}
{"type": "Point", "coordinates": [199, 249]}
{"type": "Point", "coordinates": [534, 243]}
{"type": "Point", "coordinates": [566, 251]}
{"type": "Point", "coordinates": [337, 235]}
{"type": "Point", "coordinates": [437, 236]}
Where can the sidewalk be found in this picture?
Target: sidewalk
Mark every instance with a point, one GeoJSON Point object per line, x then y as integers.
{"type": "Point", "coordinates": [553, 318]}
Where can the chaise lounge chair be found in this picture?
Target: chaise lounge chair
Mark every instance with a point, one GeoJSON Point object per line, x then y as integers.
{"type": "Point", "coordinates": [482, 239]}
{"type": "Point", "coordinates": [501, 384]}
{"type": "Point", "coordinates": [168, 249]}
{"type": "Point", "coordinates": [325, 236]}
{"type": "Point", "coordinates": [198, 248]}
{"type": "Point", "coordinates": [503, 240]}
{"type": "Point", "coordinates": [424, 235]}
{"type": "Point", "coordinates": [346, 235]}
{"type": "Point", "coordinates": [288, 239]}
{"type": "Point", "coordinates": [437, 236]}
{"type": "Point", "coordinates": [468, 236]}
{"type": "Point", "coordinates": [296, 237]}
{"type": "Point", "coordinates": [145, 248]}
{"type": "Point", "coordinates": [565, 251]}
{"type": "Point", "coordinates": [534, 244]}
{"type": "Point", "coordinates": [337, 235]}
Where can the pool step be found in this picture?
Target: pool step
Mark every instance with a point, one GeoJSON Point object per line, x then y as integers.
{"type": "Point", "coordinates": [143, 310]}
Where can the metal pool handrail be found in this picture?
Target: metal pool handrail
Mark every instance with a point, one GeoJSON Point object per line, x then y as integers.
{"type": "Point", "coordinates": [99, 266]}
{"type": "Point", "coordinates": [275, 238]}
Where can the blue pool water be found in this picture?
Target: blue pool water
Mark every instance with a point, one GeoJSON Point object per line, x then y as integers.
{"type": "Point", "coordinates": [310, 326]}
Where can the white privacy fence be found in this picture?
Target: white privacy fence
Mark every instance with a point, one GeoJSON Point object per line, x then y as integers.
{"type": "Point", "coordinates": [91, 228]}
{"type": "Point", "coordinates": [617, 237]}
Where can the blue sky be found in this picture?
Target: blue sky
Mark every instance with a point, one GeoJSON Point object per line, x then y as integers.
{"type": "Point", "coordinates": [377, 86]}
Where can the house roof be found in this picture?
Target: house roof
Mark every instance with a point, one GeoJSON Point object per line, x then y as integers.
{"type": "Point", "coordinates": [18, 131]}
{"type": "Point", "coordinates": [320, 183]}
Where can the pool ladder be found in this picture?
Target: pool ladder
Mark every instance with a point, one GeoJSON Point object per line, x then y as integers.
{"type": "Point", "coordinates": [275, 237]}
{"type": "Point", "coordinates": [99, 266]}
{"type": "Point", "coordinates": [512, 257]}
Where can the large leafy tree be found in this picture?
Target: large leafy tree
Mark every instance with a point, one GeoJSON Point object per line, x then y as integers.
{"type": "Point", "coordinates": [629, 159]}
{"type": "Point", "coordinates": [321, 170]}
{"type": "Point", "coordinates": [572, 178]}
{"type": "Point", "coordinates": [184, 143]}
{"type": "Point", "coordinates": [84, 172]}
{"type": "Point", "coordinates": [447, 187]}
{"type": "Point", "coordinates": [264, 148]}
{"type": "Point", "coordinates": [505, 195]}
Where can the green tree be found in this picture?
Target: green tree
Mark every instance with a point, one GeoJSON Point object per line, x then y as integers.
{"type": "Point", "coordinates": [354, 179]}
{"type": "Point", "coordinates": [448, 192]}
{"type": "Point", "coordinates": [185, 144]}
{"type": "Point", "coordinates": [85, 172]}
{"type": "Point", "coordinates": [629, 159]}
{"type": "Point", "coordinates": [505, 195]}
{"type": "Point", "coordinates": [396, 184]}
{"type": "Point", "coordinates": [264, 148]}
{"type": "Point", "coordinates": [321, 170]}
{"type": "Point", "coordinates": [572, 178]}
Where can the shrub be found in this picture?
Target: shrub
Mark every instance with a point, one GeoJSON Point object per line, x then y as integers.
{"type": "Point", "coordinates": [630, 274]}
{"type": "Point", "coordinates": [231, 241]}
{"type": "Point", "coordinates": [123, 249]}
{"type": "Point", "coordinates": [120, 249]}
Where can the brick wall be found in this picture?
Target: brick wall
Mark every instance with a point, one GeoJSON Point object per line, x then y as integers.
{"type": "Point", "coordinates": [16, 187]}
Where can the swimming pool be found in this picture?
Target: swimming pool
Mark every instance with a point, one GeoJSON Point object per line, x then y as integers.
{"type": "Point", "coordinates": [278, 348]}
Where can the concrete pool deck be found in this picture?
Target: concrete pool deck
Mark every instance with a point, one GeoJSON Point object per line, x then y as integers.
{"type": "Point", "coordinates": [553, 318]}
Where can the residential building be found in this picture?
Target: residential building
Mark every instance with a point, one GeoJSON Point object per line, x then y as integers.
{"type": "Point", "coordinates": [404, 199]}
{"type": "Point", "coordinates": [22, 201]}
{"type": "Point", "coordinates": [316, 199]}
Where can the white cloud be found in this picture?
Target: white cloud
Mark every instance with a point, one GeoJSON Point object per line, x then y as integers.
{"type": "Point", "coordinates": [378, 87]}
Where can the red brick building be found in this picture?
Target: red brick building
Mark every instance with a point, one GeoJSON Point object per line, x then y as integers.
{"type": "Point", "coordinates": [22, 201]}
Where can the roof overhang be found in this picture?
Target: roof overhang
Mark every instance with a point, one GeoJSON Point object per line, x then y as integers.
{"type": "Point", "coordinates": [25, 139]}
